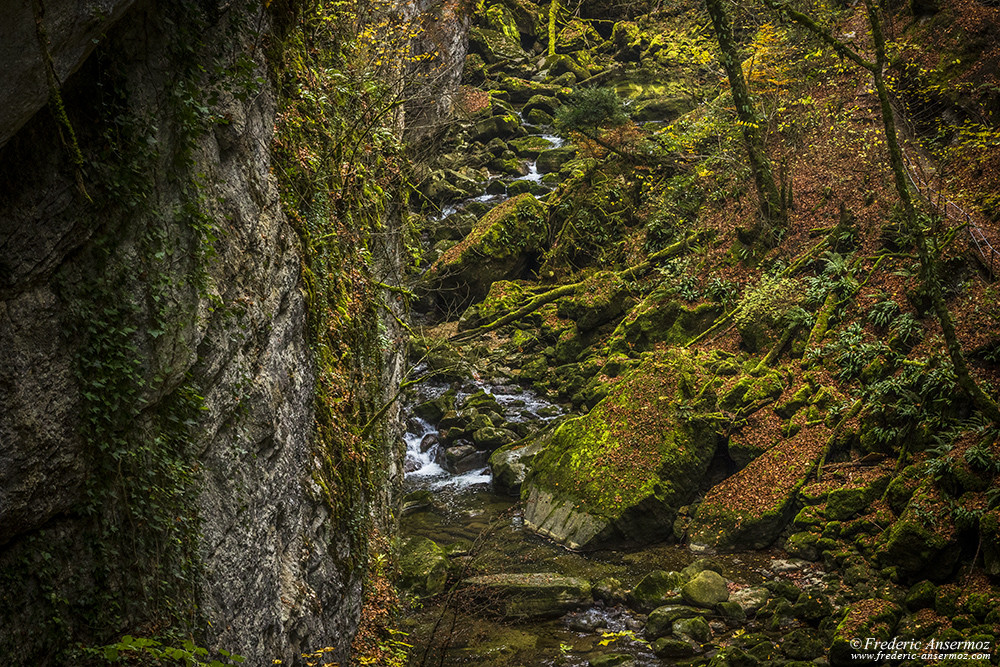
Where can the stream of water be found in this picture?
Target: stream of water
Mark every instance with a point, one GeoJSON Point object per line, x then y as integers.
{"type": "Point", "coordinates": [484, 533]}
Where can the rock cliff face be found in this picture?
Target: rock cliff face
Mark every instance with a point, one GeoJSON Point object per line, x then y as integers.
{"type": "Point", "coordinates": [158, 460]}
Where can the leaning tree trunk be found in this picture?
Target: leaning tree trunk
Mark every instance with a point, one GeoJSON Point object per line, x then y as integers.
{"type": "Point", "coordinates": [928, 263]}
{"type": "Point", "coordinates": [767, 192]}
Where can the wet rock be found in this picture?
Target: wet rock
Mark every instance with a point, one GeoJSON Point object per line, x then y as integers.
{"type": "Point", "coordinates": [463, 458]}
{"type": "Point", "coordinates": [491, 438]}
{"type": "Point", "coordinates": [670, 647]}
{"type": "Point", "coordinates": [707, 589]}
{"type": "Point", "coordinates": [612, 660]}
{"type": "Point", "coordinates": [696, 628]}
{"type": "Point", "coordinates": [656, 589]}
{"type": "Point", "coordinates": [434, 409]}
{"type": "Point", "coordinates": [423, 566]}
{"type": "Point", "coordinates": [428, 441]}
{"type": "Point", "coordinates": [417, 500]}
{"type": "Point", "coordinates": [661, 620]}
{"type": "Point", "coordinates": [525, 596]}
{"type": "Point", "coordinates": [554, 158]}
{"type": "Point", "coordinates": [587, 621]}
{"type": "Point", "coordinates": [610, 591]}
{"type": "Point", "coordinates": [510, 466]}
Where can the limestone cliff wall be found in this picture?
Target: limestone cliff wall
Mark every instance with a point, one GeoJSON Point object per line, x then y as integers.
{"type": "Point", "coordinates": [158, 461]}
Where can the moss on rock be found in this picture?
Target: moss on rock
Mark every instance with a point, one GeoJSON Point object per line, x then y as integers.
{"type": "Point", "coordinates": [622, 470]}
{"type": "Point", "coordinates": [497, 248]}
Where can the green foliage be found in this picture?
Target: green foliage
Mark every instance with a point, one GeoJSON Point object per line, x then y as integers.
{"type": "Point", "coordinates": [722, 291]}
{"type": "Point", "coordinates": [883, 312]}
{"type": "Point", "coordinates": [590, 110]}
{"type": "Point", "coordinates": [339, 164]}
{"type": "Point", "coordinates": [767, 302]}
{"type": "Point", "coordinates": [130, 649]}
{"type": "Point", "coordinates": [836, 277]}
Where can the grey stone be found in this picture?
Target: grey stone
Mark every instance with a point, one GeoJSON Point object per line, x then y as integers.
{"type": "Point", "coordinates": [707, 589]}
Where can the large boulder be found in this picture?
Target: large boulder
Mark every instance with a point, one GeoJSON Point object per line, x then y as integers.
{"type": "Point", "coordinates": [527, 596]}
{"type": "Point", "coordinates": [510, 465]}
{"type": "Point", "coordinates": [622, 470]}
{"type": "Point", "coordinates": [554, 158]}
{"type": "Point", "coordinates": [707, 589]}
{"type": "Point", "coordinates": [662, 318]}
{"type": "Point", "coordinates": [499, 247]}
{"type": "Point", "coordinates": [750, 509]}
{"type": "Point", "coordinates": [602, 299]}
{"type": "Point", "coordinates": [423, 566]}
{"type": "Point", "coordinates": [656, 589]}
{"type": "Point", "coordinates": [494, 46]}
{"type": "Point", "coordinates": [921, 544]}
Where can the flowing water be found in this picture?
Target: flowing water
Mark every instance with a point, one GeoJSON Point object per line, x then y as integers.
{"type": "Point", "coordinates": [484, 533]}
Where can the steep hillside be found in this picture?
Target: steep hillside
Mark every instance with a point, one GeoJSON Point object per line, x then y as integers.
{"type": "Point", "coordinates": [775, 329]}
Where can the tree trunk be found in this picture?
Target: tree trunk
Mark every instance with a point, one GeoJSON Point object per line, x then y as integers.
{"type": "Point", "coordinates": [767, 192]}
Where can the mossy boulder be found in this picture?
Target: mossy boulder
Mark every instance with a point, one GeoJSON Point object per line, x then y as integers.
{"type": "Point", "coordinates": [559, 64]}
{"type": "Point", "coordinates": [612, 660]}
{"type": "Point", "coordinates": [706, 590]}
{"type": "Point", "coordinates": [922, 542]}
{"type": "Point", "coordinates": [843, 504]}
{"type": "Point", "coordinates": [672, 647]}
{"type": "Point", "coordinates": [528, 596]}
{"type": "Point", "coordinates": [522, 90]}
{"type": "Point", "coordinates": [510, 466]}
{"type": "Point", "coordinates": [622, 470]}
{"type": "Point", "coordinates": [544, 102]}
{"type": "Point", "coordinates": [601, 299]}
{"type": "Point", "coordinates": [750, 391]}
{"type": "Point", "coordinates": [577, 35]}
{"type": "Point", "coordinates": [803, 644]}
{"type": "Point", "coordinates": [656, 589]}
{"type": "Point", "coordinates": [664, 109]}
{"type": "Point", "coordinates": [661, 318]}
{"type": "Point", "coordinates": [497, 127]}
{"type": "Point", "coordinates": [500, 19]}
{"type": "Point", "coordinates": [661, 620]}
{"type": "Point", "coordinates": [876, 619]}
{"type": "Point", "coordinates": [423, 566]}
{"type": "Point", "coordinates": [498, 248]}
{"type": "Point", "coordinates": [750, 509]}
{"type": "Point", "coordinates": [530, 146]}
{"type": "Point", "coordinates": [504, 296]}
{"type": "Point", "coordinates": [494, 46]}
{"type": "Point", "coordinates": [554, 158]}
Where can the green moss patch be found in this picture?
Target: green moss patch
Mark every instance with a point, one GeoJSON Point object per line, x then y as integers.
{"type": "Point", "coordinates": [624, 468]}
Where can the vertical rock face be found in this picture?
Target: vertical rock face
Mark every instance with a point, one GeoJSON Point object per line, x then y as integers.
{"type": "Point", "coordinates": [158, 459]}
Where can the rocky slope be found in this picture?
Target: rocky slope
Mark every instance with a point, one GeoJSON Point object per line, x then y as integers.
{"type": "Point", "coordinates": [735, 386]}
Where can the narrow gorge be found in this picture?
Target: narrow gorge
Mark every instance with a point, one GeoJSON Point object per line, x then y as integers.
{"type": "Point", "coordinates": [499, 333]}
